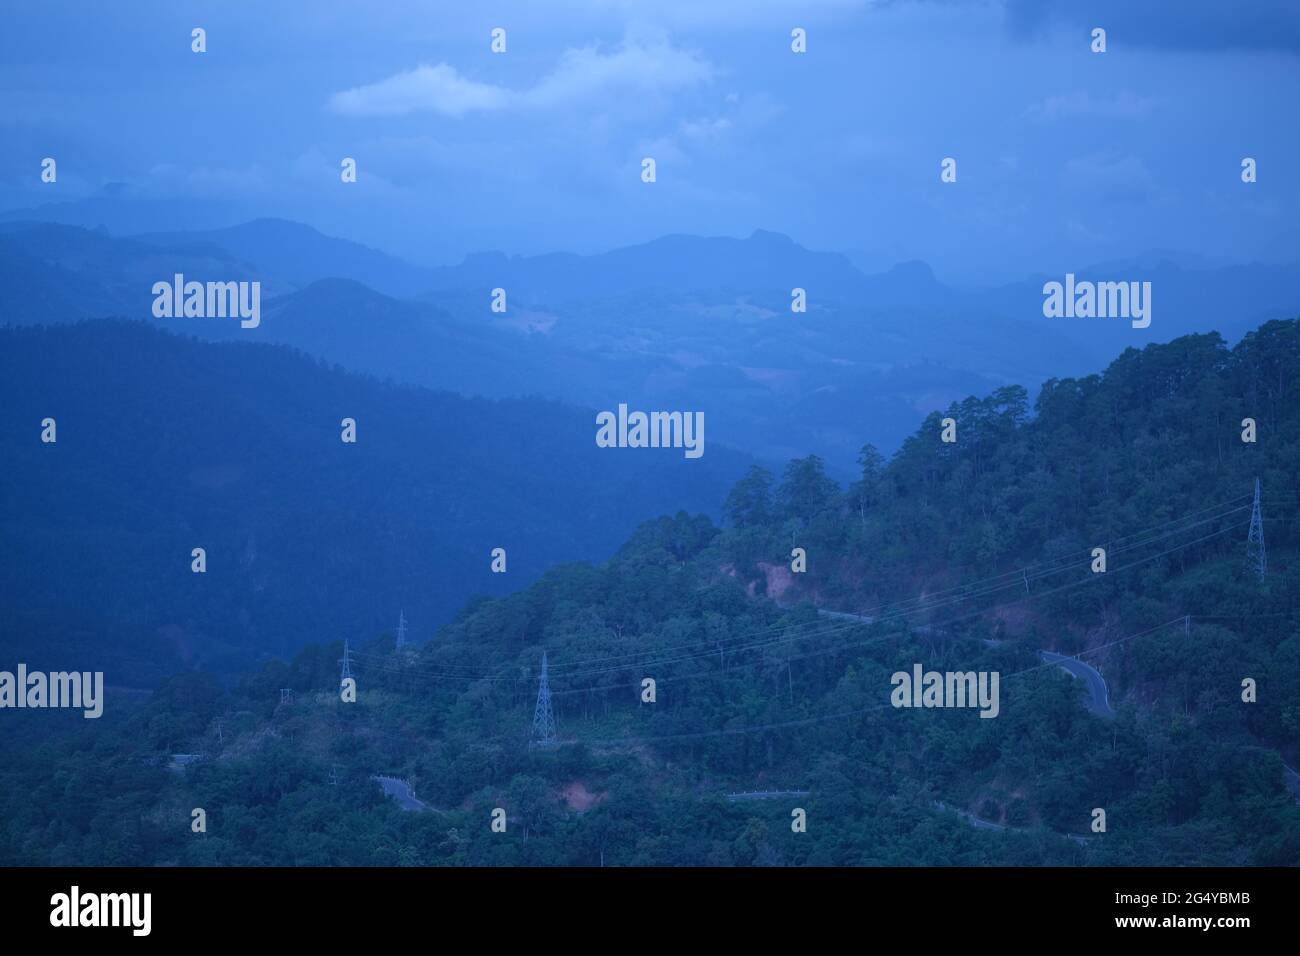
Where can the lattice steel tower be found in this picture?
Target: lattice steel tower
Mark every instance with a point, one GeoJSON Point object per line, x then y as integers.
{"type": "Point", "coordinates": [346, 661]}
{"type": "Point", "coordinates": [543, 715]}
{"type": "Point", "coordinates": [401, 630]}
{"type": "Point", "coordinates": [1256, 558]}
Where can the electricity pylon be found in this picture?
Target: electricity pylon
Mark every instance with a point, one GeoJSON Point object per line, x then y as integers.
{"type": "Point", "coordinates": [401, 630]}
{"type": "Point", "coordinates": [543, 716]}
{"type": "Point", "coordinates": [1256, 558]}
{"type": "Point", "coordinates": [346, 661]}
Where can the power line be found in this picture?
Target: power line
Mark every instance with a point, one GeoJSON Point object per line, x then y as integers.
{"type": "Point", "coordinates": [919, 605]}
{"type": "Point", "coordinates": [952, 620]}
{"type": "Point", "coordinates": [830, 630]}
{"type": "Point", "coordinates": [806, 721]}
{"type": "Point", "coordinates": [926, 603]}
{"type": "Point", "coordinates": [900, 619]}
{"type": "Point", "coordinates": [1085, 554]}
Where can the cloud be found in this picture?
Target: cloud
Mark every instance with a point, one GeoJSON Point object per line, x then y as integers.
{"type": "Point", "coordinates": [1123, 105]}
{"type": "Point", "coordinates": [171, 179]}
{"type": "Point", "coordinates": [705, 129]}
{"type": "Point", "coordinates": [436, 89]}
{"type": "Point", "coordinates": [313, 171]}
{"type": "Point", "coordinates": [1079, 232]}
{"type": "Point", "coordinates": [1205, 25]}
{"type": "Point", "coordinates": [635, 67]}
{"type": "Point", "coordinates": [657, 67]}
{"type": "Point", "coordinates": [1111, 177]}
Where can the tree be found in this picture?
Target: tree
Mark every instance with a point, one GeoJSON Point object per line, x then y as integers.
{"type": "Point", "coordinates": [750, 502]}
{"type": "Point", "coordinates": [865, 493]}
{"type": "Point", "coordinates": [806, 491]}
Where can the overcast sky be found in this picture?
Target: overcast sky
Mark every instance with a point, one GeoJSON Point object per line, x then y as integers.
{"type": "Point", "coordinates": [1065, 157]}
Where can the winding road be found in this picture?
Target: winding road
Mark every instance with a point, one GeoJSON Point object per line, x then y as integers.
{"type": "Point", "coordinates": [766, 795]}
{"type": "Point", "coordinates": [1098, 694]}
{"type": "Point", "coordinates": [400, 791]}
{"type": "Point", "coordinates": [1292, 781]}
{"type": "Point", "coordinates": [1098, 700]}
{"type": "Point", "coordinates": [981, 824]}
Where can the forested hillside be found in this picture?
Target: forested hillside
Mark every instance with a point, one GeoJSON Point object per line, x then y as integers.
{"type": "Point", "coordinates": [166, 444]}
{"type": "Point", "coordinates": [970, 555]}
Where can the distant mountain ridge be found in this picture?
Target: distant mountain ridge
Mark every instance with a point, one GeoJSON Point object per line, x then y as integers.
{"type": "Point", "coordinates": [763, 262]}
{"type": "Point", "coordinates": [300, 255]}
{"type": "Point", "coordinates": [683, 322]}
{"type": "Point", "coordinates": [167, 443]}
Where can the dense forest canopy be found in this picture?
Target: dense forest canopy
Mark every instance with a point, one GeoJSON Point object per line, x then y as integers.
{"type": "Point", "coordinates": [165, 444]}
{"type": "Point", "coordinates": [968, 555]}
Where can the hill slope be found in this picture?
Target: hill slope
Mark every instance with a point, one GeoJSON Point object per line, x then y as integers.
{"type": "Point", "coordinates": [750, 696]}
{"type": "Point", "coordinates": [166, 444]}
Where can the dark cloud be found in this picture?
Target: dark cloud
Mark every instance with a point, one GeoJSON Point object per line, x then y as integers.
{"type": "Point", "coordinates": [1208, 25]}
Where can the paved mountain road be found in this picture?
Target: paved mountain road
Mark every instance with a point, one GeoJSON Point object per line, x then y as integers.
{"type": "Point", "coordinates": [1098, 693]}
{"type": "Point", "coordinates": [400, 791]}
{"type": "Point", "coordinates": [1098, 698]}
{"type": "Point", "coordinates": [1292, 781]}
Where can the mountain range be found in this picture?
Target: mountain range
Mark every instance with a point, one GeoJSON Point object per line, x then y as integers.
{"type": "Point", "coordinates": [679, 323]}
{"type": "Point", "coordinates": [165, 443]}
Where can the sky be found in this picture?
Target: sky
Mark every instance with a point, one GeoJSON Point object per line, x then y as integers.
{"type": "Point", "coordinates": [1065, 157]}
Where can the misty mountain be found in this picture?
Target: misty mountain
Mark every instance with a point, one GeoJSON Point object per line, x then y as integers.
{"type": "Point", "coordinates": [754, 688]}
{"type": "Point", "coordinates": [764, 262]}
{"type": "Point", "coordinates": [125, 208]}
{"type": "Point", "coordinates": [54, 273]}
{"type": "Point", "coordinates": [682, 322]}
{"type": "Point", "coordinates": [411, 341]}
{"type": "Point", "coordinates": [299, 255]}
{"type": "Point", "coordinates": [1229, 299]}
{"type": "Point", "coordinates": [166, 444]}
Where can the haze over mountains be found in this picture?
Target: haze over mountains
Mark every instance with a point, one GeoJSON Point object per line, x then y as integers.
{"type": "Point", "coordinates": [166, 444]}
{"type": "Point", "coordinates": [682, 322]}
{"type": "Point", "coordinates": [437, 254]}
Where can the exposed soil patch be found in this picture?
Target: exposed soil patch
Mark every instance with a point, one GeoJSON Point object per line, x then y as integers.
{"type": "Point", "coordinates": [579, 798]}
{"type": "Point", "coordinates": [779, 579]}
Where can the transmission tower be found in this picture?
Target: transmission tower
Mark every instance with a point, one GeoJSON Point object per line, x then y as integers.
{"type": "Point", "coordinates": [543, 716]}
{"type": "Point", "coordinates": [346, 661]}
{"type": "Point", "coordinates": [401, 630]}
{"type": "Point", "coordinates": [1256, 559]}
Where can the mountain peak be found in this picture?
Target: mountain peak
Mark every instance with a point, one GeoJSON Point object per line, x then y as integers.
{"type": "Point", "coordinates": [771, 238]}
{"type": "Point", "coordinates": [914, 270]}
